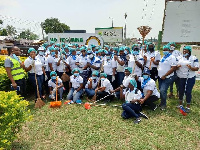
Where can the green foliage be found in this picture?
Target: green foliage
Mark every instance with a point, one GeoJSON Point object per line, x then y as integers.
{"type": "Point", "coordinates": [11, 30]}
{"type": "Point", "coordinates": [3, 32]}
{"type": "Point", "coordinates": [13, 112]}
{"type": "Point", "coordinates": [4, 80]}
{"type": "Point", "coordinates": [27, 34]}
{"type": "Point", "coordinates": [53, 25]}
{"type": "Point", "coordinates": [1, 22]}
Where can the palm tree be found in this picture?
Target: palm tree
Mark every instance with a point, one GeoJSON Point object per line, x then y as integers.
{"type": "Point", "coordinates": [11, 30]}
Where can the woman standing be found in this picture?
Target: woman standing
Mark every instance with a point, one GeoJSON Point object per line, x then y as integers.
{"type": "Point", "coordinates": [187, 66]}
{"type": "Point", "coordinates": [34, 66]}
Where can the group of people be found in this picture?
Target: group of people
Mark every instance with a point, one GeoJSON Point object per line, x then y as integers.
{"type": "Point", "coordinates": [130, 74]}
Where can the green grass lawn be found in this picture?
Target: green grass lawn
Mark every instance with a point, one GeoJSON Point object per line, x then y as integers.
{"type": "Point", "coordinates": [73, 127]}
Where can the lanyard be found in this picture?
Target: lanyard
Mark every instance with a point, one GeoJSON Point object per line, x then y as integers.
{"type": "Point", "coordinates": [165, 57]}
{"type": "Point", "coordinates": [145, 82]}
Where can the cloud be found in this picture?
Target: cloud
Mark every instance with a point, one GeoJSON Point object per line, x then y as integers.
{"type": "Point", "coordinates": [4, 4]}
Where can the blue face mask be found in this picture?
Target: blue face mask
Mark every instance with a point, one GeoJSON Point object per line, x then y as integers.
{"type": "Point", "coordinates": [108, 57]}
{"type": "Point", "coordinates": [41, 53]}
{"type": "Point", "coordinates": [94, 78]}
{"type": "Point", "coordinates": [53, 53]}
{"type": "Point", "coordinates": [165, 52]}
{"type": "Point", "coordinates": [185, 55]}
{"type": "Point", "coordinates": [145, 77]}
{"type": "Point", "coordinates": [53, 77]}
{"type": "Point", "coordinates": [76, 74]}
{"type": "Point", "coordinates": [135, 52]}
{"type": "Point", "coordinates": [102, 79]}
{"type": "Point", "coordinates": [125, 52]}
{"type": "Point", "coordinates": [78, 52]}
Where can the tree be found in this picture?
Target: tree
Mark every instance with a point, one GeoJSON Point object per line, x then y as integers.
{"type": "Point", "coordinates": [11, 30]}
{"type": "Point", "coordinates": [53, 25]}
{"type": "Point", "coordinates": [3, 32]}
{"type": "Point", "coordinates": [1, 22]}
{"type": "Point", "coordinates": [27, 34]}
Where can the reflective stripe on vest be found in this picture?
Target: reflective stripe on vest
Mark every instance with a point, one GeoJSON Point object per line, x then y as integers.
{"type": "Point", "coordinates": [16, 71]}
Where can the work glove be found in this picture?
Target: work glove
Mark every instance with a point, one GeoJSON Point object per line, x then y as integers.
{"type": "Point", "coordinates": [74, 92]}
{"type": "Point", "coordinates": [113, 78]}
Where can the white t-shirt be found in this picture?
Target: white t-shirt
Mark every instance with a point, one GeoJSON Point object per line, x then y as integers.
{"type": "Point", "coordinates": [184, 71]}
{"type": "Point", "coordinates": [151, 85]}
{"type": "Point", "coordinates": [131, 63]}
{"type": "Point", "coordinates": [106, 83]}
{"type": "Point", "coordinates": [119, 67]}
{"type": "Point", "coordinates": [108, 66]}
{"type": "Point", "coordinates": [132, 95]}
{"type": "Point", "coordinates": [150, 55]}
{"type": "Point", "coordinates": [82, 62]}
{"type": "Point", "coordinates": [94, 84]}
{"type": "Point", "coordinates": [126, 81]}
{"type": "Point", "coordinates": [52, 60]}
{"type": "Point", "coordinates": [72, 62]}
{"type": "Point", "coordinates": [53, 84]}
{"type": "Point", "coordinates": [176, 53]}
{"type": "Point", "coordinates": [62, 66]}
{"type": "Point", "coordinates": [76, 81]}
{"type": "Point", "coordinates": [42, 59]}
{"type": "Point", "coordinates": [165, 66]}
{"type": "Point", "coordinates": [95, 62]}
{"type": "Point", "coordinates": [38, 65]}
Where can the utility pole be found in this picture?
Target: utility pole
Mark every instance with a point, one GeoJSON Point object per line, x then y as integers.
{"type": "Point", "coordinates": [125, 28]}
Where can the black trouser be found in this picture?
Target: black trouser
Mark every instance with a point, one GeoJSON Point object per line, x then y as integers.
{"type": "Point", "coordinates": [154, 73]}
{"type": "Point", "coordinates": [103, 94]}
{"type": "Point", "coordinates": [66, 84]}
{"type": "Point", "coordinates": [45, 83]}
{"type": "Point", "coordinates": [109, 77]}
{"type": "Point", "coordinates": [22, 84]}
{"type": "Point", "coordinates": [150, 101]}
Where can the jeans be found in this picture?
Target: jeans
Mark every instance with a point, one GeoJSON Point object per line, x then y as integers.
{"type": "Point", "coordinates": [185, 86]}
{"type": "Point", "coordinates": [46, 87]}
{"type": "Point", "coordinates": [84, 75]}
{"type": "Point", "coordinates": [131, 110]}
{"type": "Point", "coordinates": [154, 73]}
{"type": "Point", "coordinates": [90, 92]}
{"type": "Point", "coordinates": [150, 102]}
{"type": "Point", "coordinates": [77, 95]}
{"type": "Point", "coordinates": [31, 77]}
{"type": "Point", "coordinates": [60, 91]}
{"type": "Point", "coordinates": [120, 78]}
{"type": "Point", "coordinates": [176, 80]}
{"type": "Point", "coordinates": [163, 86]}
{"type": "Point", "coordinates": [22, 84]}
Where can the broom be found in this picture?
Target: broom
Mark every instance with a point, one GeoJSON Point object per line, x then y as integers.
{"type": "Point", "coordinates": [39, 103]}
{"type": "Point", "coordinates": [56, 103]}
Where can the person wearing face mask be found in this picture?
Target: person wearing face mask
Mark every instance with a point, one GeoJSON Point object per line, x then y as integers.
{"type": "Point", "coordinates": [104, 89]}
{"type": "Point", "coordinates": [72, 59]}
{"type": "Point", "coordinates": [52, 86]}
{"type": "Point", "coordinates": [94, 62]}
{"type": "Point", "coordinates": [34, 66]}
{"type": "Point", "coordinates": [61, 63]}
{"type": "Point", "coordinates": [167, 66]}
{"type": "Point", "coordinates": [132, 107]}
{"type": "Point", "coordinates": [52, 65]}
{"type": "Point", "coordinates": [75, 85]}
{"type": "Point", "coordinates": [93, 48]}
{"type": "Point", "coordinates": [177, 54]}
{"type": "Point", "coordinates": [120, 91]}
{"type": "Point", "coordinates": [151, 60]}
{"type": "Point", "coordinates": [92, 84]}
{"type": "Point", "coordinates": [81, 62]}
{"type": "Point", "coordinates": [136, 61]}
{"type": "Point", "coordinates": [109, 67]}
{"type": "Point", "coordinates": [150, 93]}
{"type": "Point", "coordinates": [121, 62]}
{"type": "Point", "coordinates": [78, 52]}
{"type": "Point", "coordinates": [15, 71]}
{"type": "Point", "coordinates": [186, 67]}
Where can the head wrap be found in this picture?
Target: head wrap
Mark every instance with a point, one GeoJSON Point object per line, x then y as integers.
{"type": "Point", "coordinates": [129, 69]}
{"type": "Point", "coordinates": [166, 46]}
{"type": "Point", "coordinates": [103, 75]}
{"type": "Point", "coordinates": [75, 69]}
{"type": "Point", "coordinates": [133, 82]}
{"type": "Point", "coordinates": [31, 49]}
{"type": "Point", "coordinates": [53, 73]}
{"type": "Point", "coordinates": [188, 48]}
{"type": "Point", "coordinates": [95, 73]}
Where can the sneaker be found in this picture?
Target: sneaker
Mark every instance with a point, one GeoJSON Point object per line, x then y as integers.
{"type": "Point", "coordinates": [143, 115]}
{"type": "Point", "coordinates": [179, 106]}
{"type": "Point", "coordinates": [162, 107]}
{"type": "Point", "coordinates": [137, 121]}
{"type": "Point", "coordinates": [187, 110]}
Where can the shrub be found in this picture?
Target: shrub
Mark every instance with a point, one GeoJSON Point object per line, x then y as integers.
{"type": "Point", "coordinates": [13, 112]}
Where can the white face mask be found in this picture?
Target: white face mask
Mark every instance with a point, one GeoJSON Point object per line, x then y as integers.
{"type": "Point", "coordinates": [91, 56]}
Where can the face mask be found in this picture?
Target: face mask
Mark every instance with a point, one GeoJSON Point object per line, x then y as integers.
{"type": "Point", "coordinates": [41, 53]}
{"type": "Point", "coordinates": [151, 49]}
{"type": "Point", "coordinates": [185, 55]}
{"type": "Point", "coordinates": [53, 77]}
{"type": "Point", "coordinates": [102, 79]}
{"type": "Point", "coordinates": [125, 52]}
{"type": "Point", "coordinates": [145, 77]}
{"type": "Point", "coordinates": [91, 56]}
{"type": "Point", "coordinates": [78, 52]}
{"type": "Point", "coordinates": [165, 52]}
{"type": "Point", "coordinates": [108, 57]}
{"type": "Point", "coordinates": [15, 57]}
{"type": "Point", "coordinates": [135, 52]}
{"type": "Point", "coordinates": [53, 53]}
{"type": "Point", "coordinates": [76, 74]}
{"type": "Point", "coordinates": [94, 78]}
{"type": "Point", "coordinates": [172, 48]}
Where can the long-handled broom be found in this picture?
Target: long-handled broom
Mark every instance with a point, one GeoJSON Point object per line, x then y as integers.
{"type": "Point", "coordinates": [39, 103]}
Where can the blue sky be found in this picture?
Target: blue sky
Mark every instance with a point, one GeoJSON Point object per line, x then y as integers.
{"type": "Point", "coordinates": [84, 14]}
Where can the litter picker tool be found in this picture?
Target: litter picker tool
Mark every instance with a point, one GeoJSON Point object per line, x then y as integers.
{"type": "Point", "coordinates": [39, 103]}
